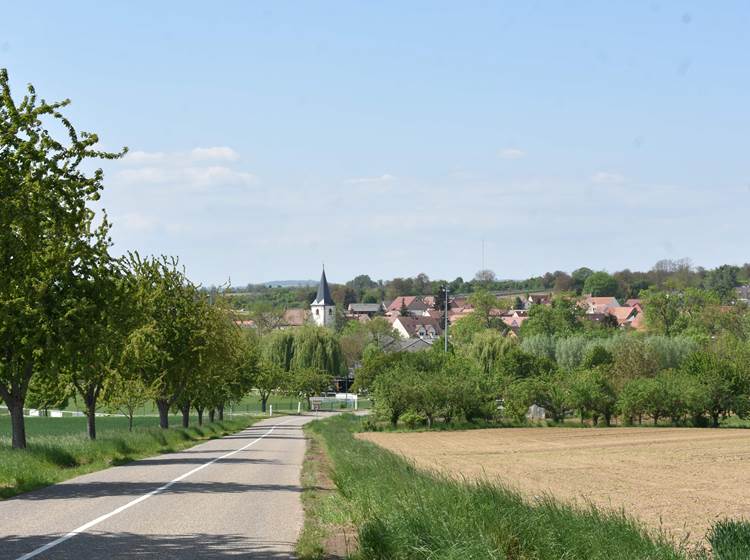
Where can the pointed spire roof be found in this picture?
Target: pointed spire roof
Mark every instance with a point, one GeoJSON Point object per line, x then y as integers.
{"type": "Point", "coordinates": [324, 293]}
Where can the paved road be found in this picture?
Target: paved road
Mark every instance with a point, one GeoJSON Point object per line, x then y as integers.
{"type": "Point", "coordinates": [234, 497]}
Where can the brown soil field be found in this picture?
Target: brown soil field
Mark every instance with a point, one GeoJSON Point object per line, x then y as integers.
{"type": "Point", "coordinates": [679, 480]}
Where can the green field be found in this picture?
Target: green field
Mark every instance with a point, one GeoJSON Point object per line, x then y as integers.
{"type": "Point", "coordinates": [249, 404]}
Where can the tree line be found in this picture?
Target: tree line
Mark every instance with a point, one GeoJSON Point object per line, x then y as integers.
{"type": "Point", "coordinates": [75, 321]}
{"type": "Point", "coordinates": [691, 367]}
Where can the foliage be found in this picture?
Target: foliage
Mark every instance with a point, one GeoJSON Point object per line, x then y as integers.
{"type": "Point", "coordinates": [601, 284]}
{"type": "Point", "coordinates": [560, 318]}
{"type": "Point", "coordinates": [49, 241]}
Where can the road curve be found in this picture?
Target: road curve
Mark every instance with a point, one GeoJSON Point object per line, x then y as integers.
{"type": "Point", "coordinates": [233, 497]}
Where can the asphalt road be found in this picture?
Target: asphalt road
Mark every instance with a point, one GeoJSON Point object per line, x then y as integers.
{"type": "Point", "coordinates": [234, 497]}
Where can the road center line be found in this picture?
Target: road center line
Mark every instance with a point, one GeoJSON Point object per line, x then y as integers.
{"type": "Point", "coordinates": [86, 526]}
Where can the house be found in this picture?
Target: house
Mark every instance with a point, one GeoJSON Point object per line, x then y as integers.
{"type": "Point", "coordinates": [295, 318]}
{"type": "Point", "coordinates": [367, 309]}
{"type": "Point", "coordinates": [414, 305]}
{"type": "Point", "coordinates": [514, 319]}
{"type": "Point", "coordinates": [623, 314]}
{"type": "Point", "coordinates": [538, 299]}
{"type": "Point", "coordinates": [599, 304]}
{"type": "Point", "coordinates": [408, 345]}
{"type": "Point", "coordinates": [418, 327]}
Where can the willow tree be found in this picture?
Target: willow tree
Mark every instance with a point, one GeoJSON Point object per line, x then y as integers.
{"type": "Point", "coordinates": [317, 348]}
{"type": "Point", "coordinates": [49, 238]}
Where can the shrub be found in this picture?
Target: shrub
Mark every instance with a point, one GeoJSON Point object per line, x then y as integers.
{"type": "Point", "coordinates": [413, 419]}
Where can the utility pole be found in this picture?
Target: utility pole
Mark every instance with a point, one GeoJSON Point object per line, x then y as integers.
{"type": "Point", "coordinates": [445, 333]}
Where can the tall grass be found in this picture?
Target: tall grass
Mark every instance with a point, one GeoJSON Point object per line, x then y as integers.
{"type": "Point", "coordinates": [730, 540]}
{"type": "Point", "coordinates": [403, 513]}
{"type": "Point", "coordinates": [59, 455]}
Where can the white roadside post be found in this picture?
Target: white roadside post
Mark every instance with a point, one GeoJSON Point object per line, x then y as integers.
{"type": "Point", "coordinates": [299, 407]}
{"type": "Point", "coordinates": [270, 410]}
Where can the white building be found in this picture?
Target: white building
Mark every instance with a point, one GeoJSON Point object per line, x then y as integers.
{"type": "Point", "coordinates": [323, 310]}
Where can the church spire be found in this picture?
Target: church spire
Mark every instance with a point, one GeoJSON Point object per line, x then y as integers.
{"type": "Point", "coordinates": [324, 293]}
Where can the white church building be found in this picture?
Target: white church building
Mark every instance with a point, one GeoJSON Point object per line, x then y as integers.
{"type": "Point", "coordinates": [323, 310]}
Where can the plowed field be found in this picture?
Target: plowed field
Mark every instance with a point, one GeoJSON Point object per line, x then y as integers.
{"type": "Point", "coordinates": [677, 479]}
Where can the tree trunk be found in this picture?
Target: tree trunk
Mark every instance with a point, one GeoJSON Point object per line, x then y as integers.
{"type": "Point", "coordinates": [199, 410]}
{"type": "Point", "coordinates": [89, 399]}
{"type": "Point", "coordinates": [185, 414]}
{"type": "Point", "coordinates": [163, 406]}
{"type": "Point", "coordinates": [715, 420]}
{"type": "Point", "coordinates": [263, 402]}
{"type": "Point", "coordinates": [15, 406]}
{"type": "Point", "coordinates": [608, 419]}
{"type": "Point", "coordinates": [130, 422]}
{"type": "Point", "coordinates": [212, 415]}
{"type": "Point", "coordinates": [221, 412]}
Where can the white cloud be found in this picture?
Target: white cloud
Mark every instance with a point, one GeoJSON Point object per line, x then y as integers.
{"type": "Point", "coordinates": [386, 178]}
{"type": "Point", "coordinates": [195, 169]}
{"type": "Point", "coordinates": [221, 153]}
{"type": "Point", "coordinates": [607, 178]}
{"type": "Point", "coordinates": [512, 153]}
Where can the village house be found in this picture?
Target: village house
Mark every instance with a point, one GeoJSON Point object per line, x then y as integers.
{"type": "Point", "coordinates": [425, 328]}
{"type": "Point", "coordinates": [414, 305]}
{"type": "Point", "coordinates": [356, 310]}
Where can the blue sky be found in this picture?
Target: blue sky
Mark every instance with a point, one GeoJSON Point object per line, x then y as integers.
{"type": "Point", "coordinates": [390, 138]}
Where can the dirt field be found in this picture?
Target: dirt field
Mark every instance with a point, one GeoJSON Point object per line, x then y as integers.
{"type": "Point", "coordinates": [679, 479]}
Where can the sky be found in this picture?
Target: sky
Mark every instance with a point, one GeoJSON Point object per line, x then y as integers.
{"type": "Point", "coordinates": [392, 138]}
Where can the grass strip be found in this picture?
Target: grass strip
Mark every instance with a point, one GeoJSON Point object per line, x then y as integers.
{"type": "Point", "coordinates": [327, 532]}
{"type": "Point", "coordinates": [54, 458]}
{"type": "Point", "coordinates": [404, 513]}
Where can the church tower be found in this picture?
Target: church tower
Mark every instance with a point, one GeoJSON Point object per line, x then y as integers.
{"type": "Point", "coordinates": [323, 310]}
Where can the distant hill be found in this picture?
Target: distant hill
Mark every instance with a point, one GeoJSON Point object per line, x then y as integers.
{"type": "Point", "coordinates": [291, 283]}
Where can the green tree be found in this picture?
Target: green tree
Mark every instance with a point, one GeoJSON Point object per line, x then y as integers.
{"type": "Point", "coordinates": [578, 278]}
{"type": "Point", "coordinates": [487, 349]}
{"type": "Point", "coordinates": [723, 281]}
{"type": "Point", "coordinates": [591, 392]}
{"type": "Point", "coordinates": [125, 394]}
{"type": "Point", "coordinates": [102, 318]}
{"type": "Point", "coordinates": [269, 379]}
{"type": "Point", "coordinates": [601, 284]}
{"type": "Point", "coordinates": [308, 382]}
{"type": "Point", "coordinates": [662, 311]}
{"type": "Point", "coordinates": [560, 318]}
{"type": "Point", "coordinates": [48, 391]}
{"type": "Point", "coordinates": [165, 346]}
{"type": "Point", "coordinates": [48, 237]}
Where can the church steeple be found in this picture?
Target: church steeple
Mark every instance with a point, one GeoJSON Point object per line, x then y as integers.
{"type": "Point", "coordinates": [323, 309]}
{"type": "Point", "coordinates": [324, 293]}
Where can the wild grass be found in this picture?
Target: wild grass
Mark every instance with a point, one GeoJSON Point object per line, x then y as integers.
{"type": "Point", "coordinates": [730, 540]}
{"type": "Point", "coordinates": [404, 513]}
{"type": "Point", "coordinates": [56, 453]}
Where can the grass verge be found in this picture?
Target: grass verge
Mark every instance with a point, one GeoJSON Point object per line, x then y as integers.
{"type": "Point", "coordinates": [54, 458]}
{"type": "Point", "coordinates": [327, 532]}
{"type": "Point", "coordinates": [403, 513]}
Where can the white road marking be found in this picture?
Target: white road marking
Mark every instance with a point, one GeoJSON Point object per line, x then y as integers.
{"type": "Point", "coordinates": [86, 526]}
